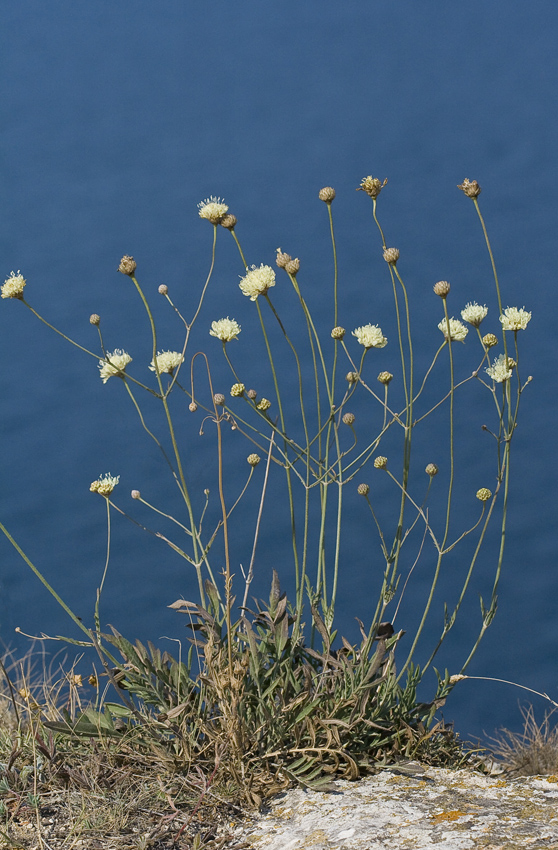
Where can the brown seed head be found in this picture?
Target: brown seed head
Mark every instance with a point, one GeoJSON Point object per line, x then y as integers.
{"type": "Point", "coordinates": [470, 187]}
{"type": "Point", "coordinates": [385, 377]}
{"type": "Point", "coordinates": [192, 407]}
{"type": "Point", "coordinates": [338, 333]}
{"type": "Point", "coordinates": [348, 418]}
{"type": "Point", "coordinates": [228, 221]}
{"type": "Point", "coordinates": [127, 265]}
{"type": "Point", "coordinates": [372, 186]}
{"type": "Point", "coordinates": [219, 399]}
{"type": "Point", "coordinates": [282, 259]}
{"type": "Point", "coordinates": [363, 489]}
{"type": "Point", "coordinates": [391, 255]}
{"type": "Point", "coordinates": [327, 194]}
{"type": "Point", "coordinates": [490, 340]}
{"type": "Point", "coordinates": [431, 470]}
{"type": "Point", "coordinates": [163, 289]}
{"type": "Point", "coordinates": [292, 266]}
{"type": "Point", "coordinates": [442, 288]}
{"type": "Point", "coordinates": [95, 319]}
{"type": "Point", "coordinates": [252, 394]}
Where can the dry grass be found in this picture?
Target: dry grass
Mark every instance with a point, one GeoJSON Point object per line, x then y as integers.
{"type": "Point", "coordinates": [533, 752]}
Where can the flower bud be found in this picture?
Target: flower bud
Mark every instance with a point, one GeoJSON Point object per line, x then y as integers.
{"type": "Point", "coordinates": [292, 266]}
{"type": "Point", "coordinates": [442, 288]}
{"type": "Point", "coordinates": [380, 462]}
{"type": "Point", "coordinates": [228, 221]}
{"type": "Point", "coordinates": [338, 333]}
{"type": "Point", "coordinates": [252, 394]}
{"type": "Point", "coordinates": [348, 418]}
{"type": "Point", "coordinates": [490, 340]}
{"type": "Point", "coordinates": [192, 407]}
{"type": "Point", "coordinates": [391, 255]}
{"type": "Point", "coordinates": [282, 259]}
{"type": "Point", "coordinates": [372, 186]}
{"type": "Point", "coordinates": [470, 187]}
{"type": "Point", "coordinates": [484, 494]}
{"type": "Point", "coordinates": [127, 265]}
{"type": "Point", "coordinates": [385, 377]}
{"type": "Point", "coordinates": [327, 194]}
{"type": "Point", "coordinates": [457, 677]}
{"type": "Point", "coordinates": [95, 319]}
{"type": "Point", "coordinates": [264, 404]}
{"type": "Point", "coordinates": [237, 389]}
{"type": "Point", "coordinates": [253, 459]}
{"type": "Point", "coordinates": [431, 469]}
{"type": "Point", "coordinates": [135, 494]}
{"type": "Point", "coordinates": [363, 489]}
{"type": "Point", "coordinates": [163, 289]}
{"type": "Point", "coordinates": [219, 399]}
{"type": "Point", "coordinates": [351, 377]}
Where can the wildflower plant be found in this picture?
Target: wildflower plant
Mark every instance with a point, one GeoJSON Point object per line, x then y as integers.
{"type": "Point", "coordinates": [272, 687]}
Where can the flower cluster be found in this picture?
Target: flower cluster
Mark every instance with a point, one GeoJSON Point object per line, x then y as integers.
{"type": "Point", "coordinates": [167, 361]}
{"type": "Point", "coordinates": [515, 320]}
{"type": "Point", "coordinates": [105, 484]}
{"type": "Point", "coordinates": [118, 361]}
{"type": "Point", "coordinates": [370, 336]}
{"type": "Point", "coordinates": [257, 281]}
{"type": "Point", "coordinates": [457, 330]}
{"type": "Point", "coordinates": [213, 209]}
{"type": "Point", "coordinates": [500, 369]}
{"type": "Point", "coordinates": [13, 286]}
{"type": "Point", "coordinates": [225, 329]}
{"type": "Point", "coordinates": [474, 313]}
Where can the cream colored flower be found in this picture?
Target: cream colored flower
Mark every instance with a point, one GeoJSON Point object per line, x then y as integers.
{"type": "Point", "coordinates": [370, 336]}
{"type": "Point", "coordinates": [237, 389]}
{"type": "Point", "coordinates": [474, 313]}
{"type": "Point", "coordinates": [500, 369]}
{"type": "Point", "coordinates": [105, 484]}
{"type": "Point", "coordinates": [213, 209]}
{"type": "Point", "coordinates": [225, 329]}
{"type": "Point", "coordinates": [118, 361]}
{"type": "Point", "coordinates": [457, 329]}
{"type": "Point", "coordinates": [484, 494]}
{"type": "Point", "coordinates": [514, 319]}
{"type": "Point", "coordinates": [264, 404]}
{"type": "Point", "coordinates": [167, 361]}
{"type": "Point", "coordinates": [13, 286]}
{"type": "Point", "coordinates": [257, 281]}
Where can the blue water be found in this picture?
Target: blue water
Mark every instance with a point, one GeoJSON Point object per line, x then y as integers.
{"type": "Point", "coordinates": [118, 119]}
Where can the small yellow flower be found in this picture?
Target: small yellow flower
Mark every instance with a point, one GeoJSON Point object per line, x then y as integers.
{"type": "Point", "coordinates": [457, 329]}
{"type": "Point", "coordinates": [105, 484]}
{"type": "Point", "coordinates": [380, 462]}
{"type": "Point", "coordinates": [253, 459]}
{"type": "Point", "coordinates": [213, 209]}
{"type": "Point", "coordinates": [484, 494]}
{"type": "Point", "coordinates": [264, 404]}
{"type": "Point", "coordinates": [370, 336]}
{"type": "Point", "coordinates": [237, 389]}
{"type": "Point", "coordinates": [225, 329]}
{"type": "Point", "coordinates": [118, 361]}
{"type": "Point", "coordinates": [167, 361]}
{"type": "Point", "coordinates": [514, 319]}
{"type": "Point", "coordinates": [257, 281]}
{"type": "Point", "coordinates": [13, 286]}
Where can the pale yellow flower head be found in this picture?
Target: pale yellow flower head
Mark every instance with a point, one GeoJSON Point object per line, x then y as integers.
{"type": "Point", "coordinates": [13, 286]}
{"type": "Point", "coordinates": [457, 329]}
{"type": "Point", "coordinates": [500, 369]}
{"type": "Point", "coordinates": [213, 209]}
{"type": "Point", "coordinates": [370, 336]}
{"type": "Point", "coordinates": [257, 281]}
{"type": "Point", "coordinates": [225, 329]}
{"type": "Point", "coordinates": [105, 484]}
{"type": "Point", "coordinates": [474, 313]}
{"type": "Point", "coordinates": [515, 320]}
{"type": "Point", "coordinates": [167, 361]}
{"type": "Point", "coordinates": [119, 360]}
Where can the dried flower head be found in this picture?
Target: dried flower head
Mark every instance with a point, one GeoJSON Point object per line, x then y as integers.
{"type": "Point", "coordinates": [484, 494]}
{"type": "Point", "coordinates": [351, 377]}
{"type": "Point", "coordinates": [338, 333]}
{"type": "Point", "coordinates": [257, 281]}
{"type": "Point", "coordinates": [127, 265]}
{"type": "Point", "coordinates": [228, 221]}
{"type": "Point", "coordinates": [490, 340]}
{"type": "Point", "coordinates": [192, 407]}
{"type": "Point", "coordinates": [119, 359]}
{"type": "Point", "coordinates": [431, 469]}
{"type": "Point", "coordinates": [135, 494]}
{"type": "Point", "coordinates": [442, 288]}
{"type": "Point", "coordinates": [470, 187]}
{"type": "Point", "coordinates": [264, 404]}
{"type": "Point", "coordinates": [252, 394]}
{"type": "Point", "coordinates": [457, 330]}
{"type": "Point", "coordinates": [514, 319]}
{"type": "Point", "coordinates": [167, 361]}
{"type": "Point", "coordinates": [225, 329]}
{"type": "Point", "coordinates": [501, 369]}
{"type": "Point", "coordinates": [237, 389]}
{"type": "Point", "coordinates": [219, 399]}
{"type": "Point", "coordinates": [474, 313]}
{"type": "Point", "coordinates": [282, 259]}
{"type": "Point", "coordinates": [163, 289]}
{"type": "Point", "coordinates": [213, 209]}
{"type": "Point", "coordinates": [13, 286]}
{"type": "Point", "coordinates": [391, 255]}
{"type": "Point", "coordinates": [370, 336]}
{"type": "Point", "coordinates": [327, 194]}
{"type": "Point", "coordinates": [105, 484]}
{"type": "Point", "coordinates": [385, 377]}
{"type": "Point", "coordinates": [372, 186]}
{"type": "Point", "coordinates": [348, 418]}
{"type": "Point", "coordinates": [457, 677]}
{"type": "Point", "coordinates": [380, 462]}
{"type": "Point", "coordinates": [293, 267]}
{"type": "Point", "coordinates": [363, 489]}
{"type": "Point", "coordinates": [95, 319]}
{"type": "Point", "coordinates": [253, 459]}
